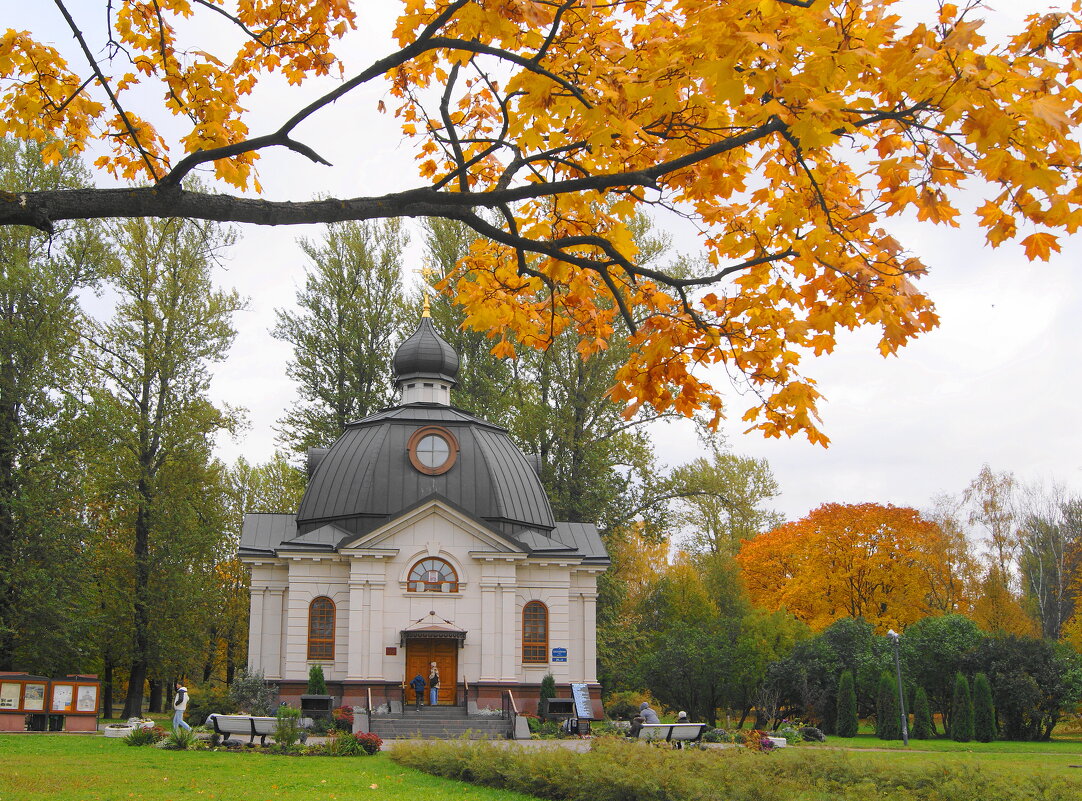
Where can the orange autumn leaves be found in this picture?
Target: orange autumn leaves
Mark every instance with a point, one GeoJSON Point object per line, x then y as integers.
{"type": "Point", "coordinates": [787, 134]}
{"type": "Point", "coordinates": [879, 562]}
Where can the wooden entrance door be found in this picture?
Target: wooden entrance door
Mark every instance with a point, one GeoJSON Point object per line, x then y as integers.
{"type": "Point", "coordinates": [421, 653]}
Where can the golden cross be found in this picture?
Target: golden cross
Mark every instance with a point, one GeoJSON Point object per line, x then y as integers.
{"type": "Point", "coordinates": [427, 273]}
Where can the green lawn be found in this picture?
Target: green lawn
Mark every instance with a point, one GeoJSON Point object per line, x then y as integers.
{"type": "Point", "coordinates": [95, 768]}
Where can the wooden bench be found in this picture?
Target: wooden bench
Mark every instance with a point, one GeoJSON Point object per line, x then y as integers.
{"type": "Point", "coordinates": [254, 726]}
{"type": "Point", "coordinates": [672, 732]}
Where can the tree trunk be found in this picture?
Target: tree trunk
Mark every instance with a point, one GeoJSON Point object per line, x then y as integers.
{"type": "Point", "coordinates": [155, 704]}
{"type": "Point", "coordinates": [230, 662]}
{"type": "Point", "coordinates": [743, 717]}
{"type": "Point", "coordinates": [134, 702]}
{"type": "Point", "coordinates": [9, 426]}
{"type": "Point", "coordinates": [107, 687]}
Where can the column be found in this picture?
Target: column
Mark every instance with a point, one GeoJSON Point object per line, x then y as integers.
{"type": "Point", "coordinates": [589, 636]}
{"type": "Point", "coordinates": [490, 642]}
{"type": "Point", "coordinates": [508, 630]}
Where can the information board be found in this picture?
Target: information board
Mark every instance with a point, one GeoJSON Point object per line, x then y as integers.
{"type": "Point", "coordinates": [559, 654]}
{"type": "Point", "coordinates": [584, 707]}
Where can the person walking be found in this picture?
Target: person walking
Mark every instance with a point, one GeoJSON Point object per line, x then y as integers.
{"type": "Point", "coordinates": [433, 684]}
{"type": "Point", "coordinates": [418, 685]}
{"type": "Point", "coordinates": [180, 703]}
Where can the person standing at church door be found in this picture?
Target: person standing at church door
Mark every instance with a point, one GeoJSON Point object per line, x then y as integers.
{"type": "Point", "coordinates": [433, 684]}
{"type": "Point", "coordinates": [418, 685]}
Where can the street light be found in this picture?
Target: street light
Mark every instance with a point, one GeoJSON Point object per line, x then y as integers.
{"type": "Point", "coordinates": [894, 637]}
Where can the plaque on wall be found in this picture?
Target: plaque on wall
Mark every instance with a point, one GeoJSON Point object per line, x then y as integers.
{"type": "Point", "coordinates": [559, 654]}
{"type": "Point", "coordinates": [584, 708]}
{"type": "Point", "coordinates": [34, 697]}
{"type": "Point", "coordinates": [87, 700]}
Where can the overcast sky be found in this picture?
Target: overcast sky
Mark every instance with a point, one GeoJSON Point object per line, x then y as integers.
{"type": "Point", "coordinates": [997, 383]}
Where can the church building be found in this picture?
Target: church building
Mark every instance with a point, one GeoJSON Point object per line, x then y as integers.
{"type": "Point", "coordinates": [424, 535]}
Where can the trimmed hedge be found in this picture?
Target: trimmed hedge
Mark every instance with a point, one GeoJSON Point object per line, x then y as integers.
{"type": "Point", "coordinates": [620, 770]}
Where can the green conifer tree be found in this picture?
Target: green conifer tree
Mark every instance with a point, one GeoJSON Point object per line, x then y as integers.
{"type": "Point", "coordinates": [548, 690]}
{"type": "Point", "coordinates": [888, 722]}
{"type": "Point", "coordinates": [984, 712]}
{"type": "Point", "coordinates": [847, 722]}
{"type": "Point", "coordinates": [923, 725]}
{"type": "Point", "coordinates": [961, 711]}
{"type": "Point", "coordinates": [317, 685]}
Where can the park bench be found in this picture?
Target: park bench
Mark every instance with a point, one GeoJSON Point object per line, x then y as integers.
{"type": "Point", "coordinates": [673, 732]}
{"type": "Point", "coordinates": [251, 725]}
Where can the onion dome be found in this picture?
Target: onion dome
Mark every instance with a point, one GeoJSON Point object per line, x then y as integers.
{"type": "Point", "coordinates": [425, 357]}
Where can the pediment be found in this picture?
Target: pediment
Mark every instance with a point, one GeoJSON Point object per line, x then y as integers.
{"type": "Point", "coordinates": [384, 537]}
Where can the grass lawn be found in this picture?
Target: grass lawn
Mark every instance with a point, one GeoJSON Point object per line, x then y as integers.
{"type": "Point", "coordinates": [95, 768]}
{"type": "Point", "coordinates": [1029, 760]}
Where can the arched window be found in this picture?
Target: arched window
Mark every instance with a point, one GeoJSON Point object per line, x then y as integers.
{"type": "Point", "coordinates": [535, 633]}
{"type": "Point", "coordinates": [321, 629]}
{"type": "Point", "coordinates": [432, 575]}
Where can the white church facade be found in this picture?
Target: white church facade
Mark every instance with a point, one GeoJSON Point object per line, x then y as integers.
{"type": "Point", "coordinates": [424, 535]}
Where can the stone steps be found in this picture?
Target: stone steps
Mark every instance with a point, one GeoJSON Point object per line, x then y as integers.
{"type": "Point", "coordinates": [438, 723]}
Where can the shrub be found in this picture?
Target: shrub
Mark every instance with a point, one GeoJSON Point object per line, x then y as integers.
{"type": "Point", "coordinates": [317, 685]}
{"type": "Point", "coordinates": [984, 712]}
{"type": "Point", "coordinates": [354, 744]}
{"type": "Point", "coordinates": [252, 694]}
{"type": "Point", "coordinates": [616, 769]}
{"type": "Point", "coordinates": [548, 690]}
{"type": "Point", "coordinates": [923, 726]}
{"type": "Point", "coordinates": [287, 731]}
{"type": "Point", "coordinates": [209, 701]}
{"type": "Point", "coordinates": [847, 723]}
{"type": "Point", "coordinates": [145, 736]}
{"type": "Point", "coordinates": [181, 739]}
{"type": "Point", "coordinates": [624, 705]}
{"type": "Point", "coordinates": [961, 711]}
{"type": "Point", "coordinates": [342, 717]}
{"type": "Point", "coordinates": [717, 736]}
{"type": "Point", "coordinates": [812, 734]}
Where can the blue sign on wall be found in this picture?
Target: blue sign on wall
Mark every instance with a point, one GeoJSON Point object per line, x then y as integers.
{"type": "Point", "coordinates": [559, 654]}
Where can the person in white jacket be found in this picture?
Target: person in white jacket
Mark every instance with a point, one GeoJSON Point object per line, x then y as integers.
{"type": "Point", "coordinates": [180, 703]}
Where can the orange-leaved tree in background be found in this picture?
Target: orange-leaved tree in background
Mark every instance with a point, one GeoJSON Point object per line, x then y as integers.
{"type": "Point", "coordinates": [787, 130]}
{"type": "Point", "coordinates": [847, 560]}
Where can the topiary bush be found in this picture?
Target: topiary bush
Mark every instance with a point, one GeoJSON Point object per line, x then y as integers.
{"type": "Point", "coordinates": [961, 711]}
{"type": "Point", "coordinates": [847, 723]}
{"type": "Point", "coordinates": [984, 711]}
{"type": "Point", "coordinates": [923, 725]}
{"type": "Point", "coordinates": [548, 690]}
{"type": "Point", "coordinates": [888, 718]}
{"type": "Point", "coordinates": [317, 685]}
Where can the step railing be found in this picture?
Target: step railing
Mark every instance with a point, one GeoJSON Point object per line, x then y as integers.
{"type": "Point", "coordinates": [510, 708]}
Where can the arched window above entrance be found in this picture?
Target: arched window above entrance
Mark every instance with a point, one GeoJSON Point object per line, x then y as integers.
{"type": "Point", "coordinates": [432, 575]}
{"type": "Point", "coordinates": [321, 628]}
{"type": "Point", "coordinates": [535, 633]}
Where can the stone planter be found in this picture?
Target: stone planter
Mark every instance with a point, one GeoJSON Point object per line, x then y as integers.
{"type": "Point", "coordinates": [115, 730]}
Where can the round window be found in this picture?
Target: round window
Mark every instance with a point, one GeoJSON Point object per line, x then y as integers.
{"type": "Point", "coordinates": [432, 450]}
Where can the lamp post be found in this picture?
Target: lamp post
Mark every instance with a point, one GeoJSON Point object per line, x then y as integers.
{"type": "Point", "coordinates": [894, 637]}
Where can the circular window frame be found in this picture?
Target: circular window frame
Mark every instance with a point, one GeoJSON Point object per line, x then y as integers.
{"type": "Point", "coordinates": [442, 433]}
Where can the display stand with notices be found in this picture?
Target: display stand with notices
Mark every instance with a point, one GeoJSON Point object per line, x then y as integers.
{"type": "Point", "coordinates": [584, 708]}
{"type": "Point", "coordinates": [43, 704]}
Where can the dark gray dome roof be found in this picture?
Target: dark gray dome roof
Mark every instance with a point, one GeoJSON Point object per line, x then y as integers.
{"type": "Point", "coordinates": [425, 355]}
{"type": "Point", "coordinates": [366, 477]}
